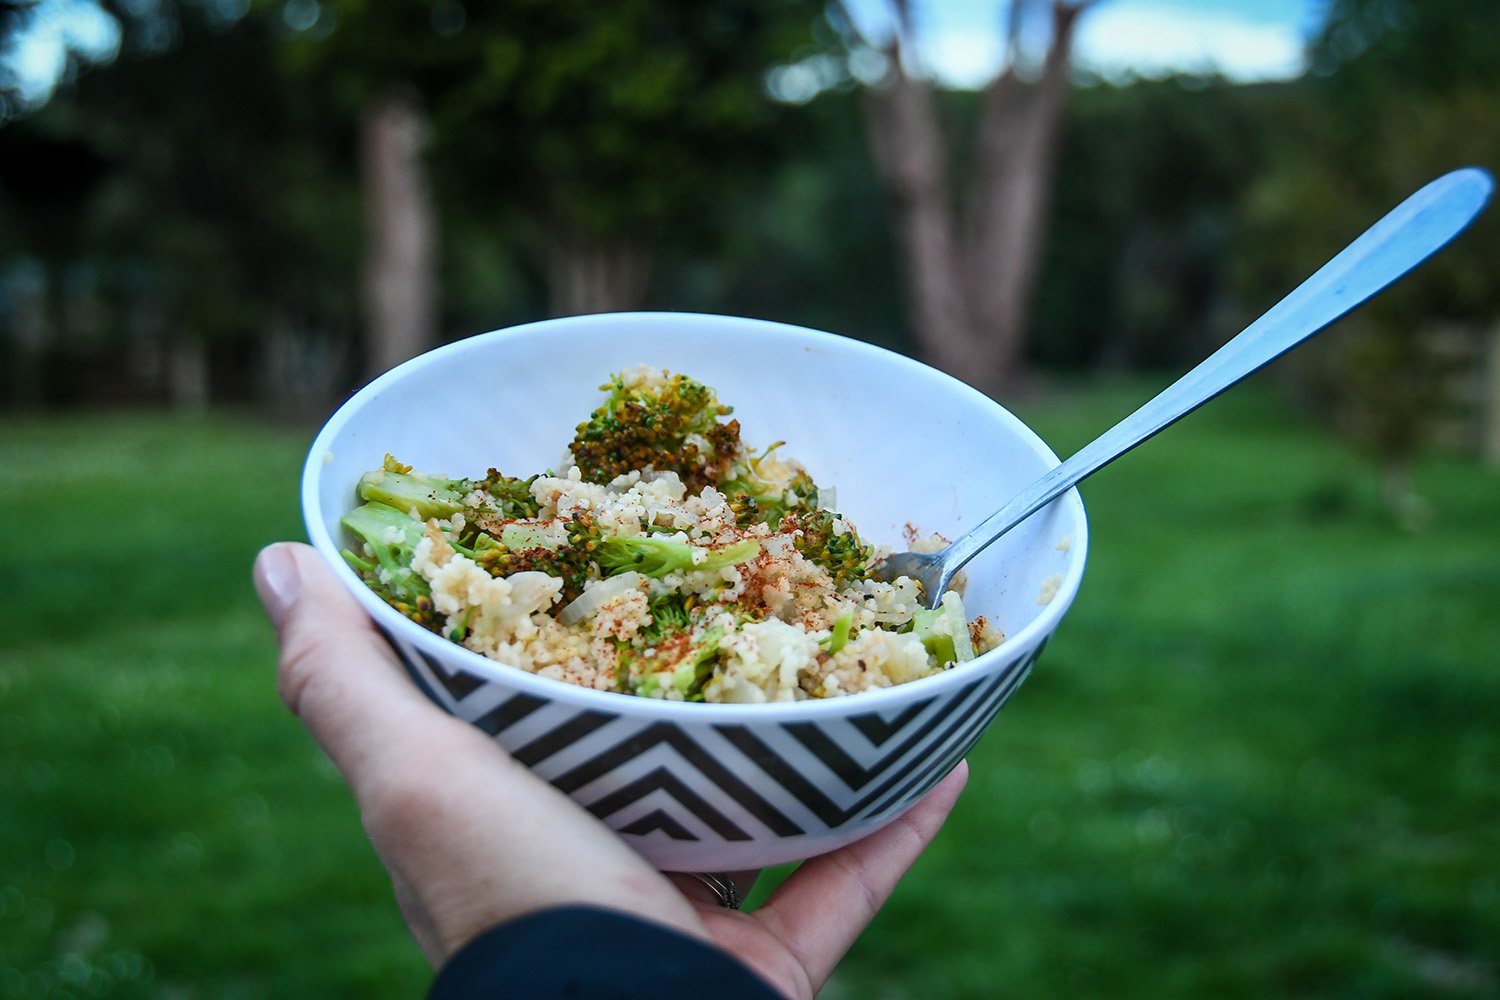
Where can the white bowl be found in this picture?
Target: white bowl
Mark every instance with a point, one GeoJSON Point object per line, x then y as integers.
{"type": "Point", "coordinates": [705, 787]}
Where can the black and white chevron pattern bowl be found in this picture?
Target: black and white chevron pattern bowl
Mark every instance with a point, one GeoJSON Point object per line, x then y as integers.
{"type": "Point", "coordinates": [701, 787]}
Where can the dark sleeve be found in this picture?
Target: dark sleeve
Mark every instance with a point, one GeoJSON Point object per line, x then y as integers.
{"type": "Point", "coordinates": [589, 953]}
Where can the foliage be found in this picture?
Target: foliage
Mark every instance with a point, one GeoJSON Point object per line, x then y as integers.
{"type": "Point", "coordinates": [1147, 220]}
{"type": "Point", "coordinates": [78, 35]}
{"type": "Point", "coordinates": [1405, 91]}
{"type": "Point", "coordinates": [1183, 207]}
{"type": "Point", "coordinates": [234, 218]}
{"type": "Point", "coordinates": [208, 220]}
{"type": "Point", "coordinates": [810, 244]}
{"type": "Point", "coordinates": [631, 120]}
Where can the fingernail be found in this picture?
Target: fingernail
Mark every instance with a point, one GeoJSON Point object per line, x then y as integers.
{"type": "Point", "coordinates": [277, 581]}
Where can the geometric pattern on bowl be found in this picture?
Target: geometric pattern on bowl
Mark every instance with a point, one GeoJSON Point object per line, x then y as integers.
{"type": "Point", "coordinates": [723, 787]}
{"type": "Point", "coordinates": [670, 789]}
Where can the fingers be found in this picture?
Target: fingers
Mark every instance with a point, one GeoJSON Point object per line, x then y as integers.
{"type": "Point", "coordinates": [825, 904]}
{"type": "Point", "coordinates": [696, 888]}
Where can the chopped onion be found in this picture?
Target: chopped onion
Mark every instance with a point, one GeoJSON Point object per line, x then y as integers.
{"type": "Point", "coordinates": [598, 594]}
{"type": "Point", "coordinates": [530, 536]}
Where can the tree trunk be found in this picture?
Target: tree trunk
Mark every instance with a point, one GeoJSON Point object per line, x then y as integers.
{"type": "Point", "coordinates": [400, 263]}
{"type": "Point", "coordinates": [909, 151]}
{"type": "Point", "coordinates": [1013, 189]}
{"type": "Point", "coordinates": [32, 329]}
{"type": "Point", "coordinates": [971, 278]}
{"type": "Point", "coordinates": [592, 275]}
{"type": "Point", "coordinates": [187, 373]}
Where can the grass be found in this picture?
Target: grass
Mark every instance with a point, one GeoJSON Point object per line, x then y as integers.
{"type": "Point", "coordinates": [166, 829]}
{"type": "Point", "coordinates": [1259, 757]}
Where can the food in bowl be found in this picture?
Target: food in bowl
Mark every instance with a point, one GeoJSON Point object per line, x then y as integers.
{"type": "Point", "coordinates": [668, 559]}
{"type": "Point", "coordinates": [695, 786]}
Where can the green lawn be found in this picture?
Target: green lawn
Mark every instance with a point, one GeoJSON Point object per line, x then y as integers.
{"type": "Point", "coordinates": [1260, 758]}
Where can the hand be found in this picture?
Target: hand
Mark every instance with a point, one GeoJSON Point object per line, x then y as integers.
{"type": "Point", "coordinates": [490, 841]}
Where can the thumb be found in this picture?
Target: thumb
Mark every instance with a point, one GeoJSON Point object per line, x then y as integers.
{"type": "Point", "coordinates": [336, 671]}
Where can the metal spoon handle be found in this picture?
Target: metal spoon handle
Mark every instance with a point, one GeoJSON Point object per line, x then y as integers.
{"type": "Point", "coordinates": [1412, 231]}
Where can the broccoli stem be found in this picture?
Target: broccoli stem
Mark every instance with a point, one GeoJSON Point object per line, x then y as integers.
{"type": "Point", "coordinates": [389, 536]}
{"type": "Point", "coordinates": [655, 557]}
{"type": "Point", "coordinates": [526, 536]}
{"type": "Point", "coordinates": [839, 637]}
{"type": "Point", "coordinates": [945, 631]}
{"type": "Point", "coordinates": [428, 497]}
{"type": "Point", "coordinates": [688, 674]}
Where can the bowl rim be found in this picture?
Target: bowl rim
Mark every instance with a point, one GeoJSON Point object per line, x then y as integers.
{"type": "Point", "coordinates": [451, 655]}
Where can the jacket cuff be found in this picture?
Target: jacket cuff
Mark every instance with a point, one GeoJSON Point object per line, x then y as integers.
{"type": "Point", "coordinates": [591, 953]}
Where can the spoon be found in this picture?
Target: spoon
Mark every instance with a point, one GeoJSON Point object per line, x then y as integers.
{"type": "Point", "coordinates": [1413, 231]}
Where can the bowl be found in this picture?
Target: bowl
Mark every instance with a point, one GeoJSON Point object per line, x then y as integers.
{"type": "Point", "coordinates": [708, 787]}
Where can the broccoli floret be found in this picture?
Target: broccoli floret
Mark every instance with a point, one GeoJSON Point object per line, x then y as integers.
{"type": "Point", "coordinates": [763, 490]}
{"type": "Point", "coordinates": [669, 614]}
{"type": "Point", "coordinates": [944, 630]}
{"type": "Point", "coordinates": [670, 425]}
{"type": "Point", "coordinates": [674, 651]}
{"type": "Point", "coordinates": [397, 486]}
{"type": "Point", "coordinates": [388, 538]}
{"type": "Point", "coordinates": [685, 667]}
{"type": "Point", "coordinates": [522, 548]}
{"type": "Point", "coordinates": [828, 539]}
{"type": "Point", "coordinates": [511, 495]}
{"type": "Point", "coordinates": [497, 497]}
{"type": "Point", "coordinates": [653, 556]}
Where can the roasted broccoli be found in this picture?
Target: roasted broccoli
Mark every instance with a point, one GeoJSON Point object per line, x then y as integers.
{"type": "Point", "coordinates": [389, 536]}
{"type": "Point", "coordinates": [397, 486]}
{"type": "Point", "coordinates": [676, 650]}
{"type": "Point", "coordinates": [763, 490]}
{"type": "Point", "coordinates": [528, 547]}
{"type": "Point", "coordinates": [493, 499]}
{"type": "Point", "coordinates": [828, 539]}
{"type": "Point", "coordinates": [654, 556]}
{"type": "Point", "coordinates": [523, 547]}
{"type": "Point", "coordinates": [564, 563]}
{"type": "Point", "coordinates": [510, 495]}
{"type": "Point", "coordinates": [669, 425]}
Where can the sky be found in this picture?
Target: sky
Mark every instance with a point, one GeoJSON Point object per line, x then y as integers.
{"type": "Point", "coordinates": [1243, 40]}
{"type": "Point", "coordinates": [1246, 40]}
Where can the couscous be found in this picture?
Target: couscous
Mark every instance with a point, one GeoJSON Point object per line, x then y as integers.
{"type": "Point", "coordinates": [667, 559]}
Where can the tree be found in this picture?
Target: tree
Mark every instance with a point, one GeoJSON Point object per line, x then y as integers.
{"type": "Point", "coordinates": [381, 63]}
{"type": "Point", "coordinates": [208, 226]}
{"type": "Point", "coordinates": [591, 133]}
{"type": "Point", "coordinates": [1404, 90]}
{"type": "Point", "coordinates": [1139, 270]}
{"type": "Point", "coordinates": [614, 129]}
{"type": "Point", "coordinates": [400, 231]}
{"type": "Point", "coordinates": [972, 261]}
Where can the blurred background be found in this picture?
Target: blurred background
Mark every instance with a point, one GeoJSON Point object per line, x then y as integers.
{"type": "Point", "coordinates": [1259, 757]}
